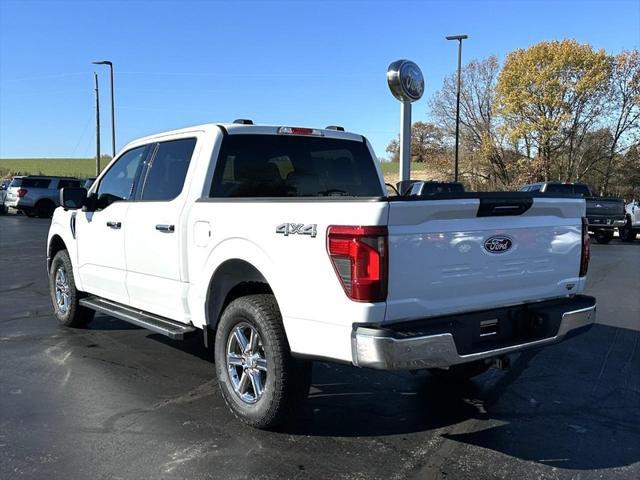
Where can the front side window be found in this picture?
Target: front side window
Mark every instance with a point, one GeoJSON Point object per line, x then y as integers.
{"type": "Point", "coordinates": [168, 170]}
{"type": "Point", "coordinates": [120, 180]}
{"type": "Point", "coordinates": [294, 166]}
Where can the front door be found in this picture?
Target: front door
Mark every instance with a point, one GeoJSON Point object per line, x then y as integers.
{"type": "Point", "coordinates": [100, 234]}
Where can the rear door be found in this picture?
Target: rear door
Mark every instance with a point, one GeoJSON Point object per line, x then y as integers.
{"type": "Point", "coordinates": [100, 234]}
{"type": "Point", "coordinates": [466, 254]}
{"type": "Point", "coordinates": [155, 264]}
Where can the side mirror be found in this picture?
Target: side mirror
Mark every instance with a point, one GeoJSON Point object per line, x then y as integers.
{"type": "Point", "coordinates": [73, 197]}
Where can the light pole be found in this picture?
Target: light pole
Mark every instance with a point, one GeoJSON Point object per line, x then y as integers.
{"type": "Point", "coordinates": [95, 77]}
{"type": "Point", "coordinates": [459, 38]}
{"type": "Point", "coordinates": [113, 111]}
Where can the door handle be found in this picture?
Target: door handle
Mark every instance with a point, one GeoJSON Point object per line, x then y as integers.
{"type": "Point", "coordinates": [166, 228]}
{"type": "Point", "coordinates": [114, 225]}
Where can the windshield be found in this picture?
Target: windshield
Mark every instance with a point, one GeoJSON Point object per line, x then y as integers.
{"type": "Point", "coordinates": [573, 189]}
{"type": "Point", "coordinates": [294, 166]}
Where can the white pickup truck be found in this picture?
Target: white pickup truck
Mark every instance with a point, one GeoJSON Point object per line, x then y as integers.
{"type": "Point", "coordinates": [282, 246]}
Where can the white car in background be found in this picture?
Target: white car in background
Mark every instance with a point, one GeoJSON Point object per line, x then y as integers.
{"type": "Point", "coordinates": [631, 228]}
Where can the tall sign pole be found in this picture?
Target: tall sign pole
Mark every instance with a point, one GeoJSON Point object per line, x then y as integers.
{"type": "Point", "coordinates": [407, 85]}
{"type": "Point", "coordinates": [95, 76]}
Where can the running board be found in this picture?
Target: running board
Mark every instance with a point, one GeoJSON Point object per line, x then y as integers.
{"type": "Point", "coordinates": [170, 328]}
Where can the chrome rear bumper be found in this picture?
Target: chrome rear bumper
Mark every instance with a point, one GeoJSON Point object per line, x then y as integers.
{"type": "Point", "coordinates": [380, 349]}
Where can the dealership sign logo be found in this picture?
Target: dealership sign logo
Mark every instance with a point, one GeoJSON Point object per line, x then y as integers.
{"type": "Point", "coordinates": [498, 244]}
{"type": "Point", "coordinates": [405, 80]}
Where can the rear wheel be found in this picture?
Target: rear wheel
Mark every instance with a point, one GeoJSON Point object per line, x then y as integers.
{"type": "Point", "coordinates": [463, 371]}
{"type": "Point", "coordinates": [64, 294]}
{"type": "Point", "coordinates": [604, 236]}
{"type": "Point", "coordinates": [626, 232]}
{"type": "Point", "coordinates": [260, 382]}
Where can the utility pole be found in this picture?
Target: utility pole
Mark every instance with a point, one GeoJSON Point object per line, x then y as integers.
{"type": "Point", "coordinates": [113, 108]}
{"type": "Point", "coordinates": [459, 38]}
{"type": "Point", "coordinates": [95, 76]}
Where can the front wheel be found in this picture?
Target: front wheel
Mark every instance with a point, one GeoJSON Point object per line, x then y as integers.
{"type": "Point", "coordinates": [64, 294]}
{"type": "Point", "coordinates": [261, 383]}
{"type": "Point", "coordinates": [604, 236]}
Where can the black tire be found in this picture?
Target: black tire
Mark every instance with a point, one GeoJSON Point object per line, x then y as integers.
{"type": "Point", "coordinates": [626, 232]}
{"type": "Point", "coordinates": [29, 212]}
{"type": "Point", "coordinates": [461, 372]}
{"type": "Point", "coordinates": [68, 312]}
{"type": "Point", "coordinates": [604, 237]}
{"type": "Point", "coordinates": [44, 209]}
{"type": "Point", "coordinates": [286, 379]}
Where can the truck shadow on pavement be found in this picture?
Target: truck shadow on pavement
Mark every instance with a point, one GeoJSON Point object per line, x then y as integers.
{"type": "Point", "coordinates": [575, 405]}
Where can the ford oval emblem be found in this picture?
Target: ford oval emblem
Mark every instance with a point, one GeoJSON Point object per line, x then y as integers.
{"type": "Point", "coordinates": [498, 244]}
{"type": "Point", "coordinates": [405, 80]}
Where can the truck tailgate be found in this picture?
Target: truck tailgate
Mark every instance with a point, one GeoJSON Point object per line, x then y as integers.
{"type": "Point", "coordinates": [600, 206]}
{"type": "Point", "coordinates": [479, 252]}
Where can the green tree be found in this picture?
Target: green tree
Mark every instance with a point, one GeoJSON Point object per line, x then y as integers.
{"type": "Point", "coordinates": [550, 95]}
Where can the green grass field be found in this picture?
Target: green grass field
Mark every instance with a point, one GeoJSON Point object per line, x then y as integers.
{"type": "Point", "coordinates": [73, 167]}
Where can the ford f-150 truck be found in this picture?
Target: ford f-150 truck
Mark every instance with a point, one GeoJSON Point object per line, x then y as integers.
{"type": "Point", "coordinates": [281, 246]}
{"type": "Point", "coordinates": [604, 214]}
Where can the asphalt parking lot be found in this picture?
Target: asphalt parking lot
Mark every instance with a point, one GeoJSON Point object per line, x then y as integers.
{"type": "Point", "coordinates": [118, 402]}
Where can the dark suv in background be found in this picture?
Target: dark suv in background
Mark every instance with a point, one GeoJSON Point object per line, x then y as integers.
{"type": "Point", "coordinates": [604, 214]}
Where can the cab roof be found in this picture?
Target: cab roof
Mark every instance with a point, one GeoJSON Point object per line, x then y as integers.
{"type": "Point", "coordinates": [237, 128]}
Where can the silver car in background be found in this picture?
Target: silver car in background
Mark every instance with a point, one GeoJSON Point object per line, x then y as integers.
{"type": "Point", "coordinates": [37, 196]}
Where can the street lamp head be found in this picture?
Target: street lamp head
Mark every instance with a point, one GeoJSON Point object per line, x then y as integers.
{"type": "Point", "coordinates": [457, 37]}
{"type": "Point", "coordinates": [102, 62]}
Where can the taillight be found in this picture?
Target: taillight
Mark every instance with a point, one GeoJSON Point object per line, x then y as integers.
{"type": "Point", "coordinates": [359, 257]}
{"type": "Point", "coordinates": [585, 255]}
{"type": "Point", "coordinates": [22, 192]}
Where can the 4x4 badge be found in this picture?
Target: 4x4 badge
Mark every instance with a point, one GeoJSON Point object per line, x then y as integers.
{"type": "Point", "coordinates": [287, 229]}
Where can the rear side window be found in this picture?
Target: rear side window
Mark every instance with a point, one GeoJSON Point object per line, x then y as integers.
{"type": "Point", "coordinates": [64, 183]}
{"type": "Point", "coordinates": [165, 177]}
{"type": "Point", "coordinates": [567, 188]}
{"type": "Point", "coordinates": [120, 180]}
{"type": "Point", "coordinates": [294, 166]}
{"type": "Point", "coordinates": [31, 182]}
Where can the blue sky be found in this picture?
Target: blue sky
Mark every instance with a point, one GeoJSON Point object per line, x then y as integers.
{"type": "Point", "coordinates": [283, 63]}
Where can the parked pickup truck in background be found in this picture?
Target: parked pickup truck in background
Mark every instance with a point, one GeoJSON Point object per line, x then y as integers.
{"type": "Point", "coordinates": [37, 196]}
{"type": "Point", "coordinates": [604, 214]}
{"type": "Point", "coordinates": [631, 228]}
{"type": "Point", "coordinates": [281, 246]}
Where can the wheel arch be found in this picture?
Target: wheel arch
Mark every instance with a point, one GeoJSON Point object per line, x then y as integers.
{"type": "Point", "coordinates": [56, 243]}
{"type": "Point", "coordinates": [233, 278]}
